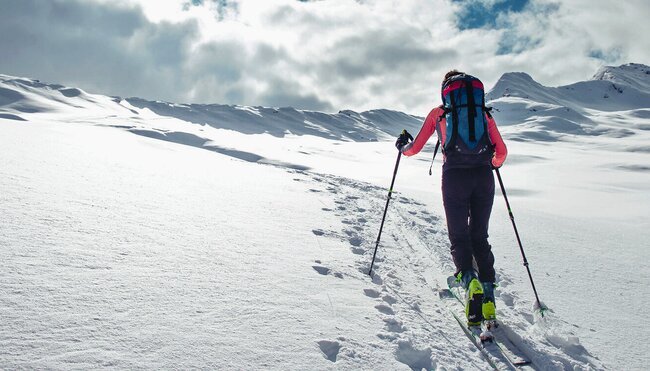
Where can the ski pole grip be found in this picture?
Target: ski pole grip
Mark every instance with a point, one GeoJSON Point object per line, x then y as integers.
{"type": "Point", "coordinates": [407, 134]}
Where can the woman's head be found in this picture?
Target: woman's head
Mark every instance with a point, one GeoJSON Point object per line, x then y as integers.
{"type": "Point", "coordinates": [451, 74]}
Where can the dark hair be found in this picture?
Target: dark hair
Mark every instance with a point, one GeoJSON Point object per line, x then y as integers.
{"type": "Point", "coordinates": [452, 73]}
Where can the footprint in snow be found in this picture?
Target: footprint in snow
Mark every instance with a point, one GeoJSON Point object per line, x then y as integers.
{"type": "Point", "coordinates": [529, 317]}
{"type": "Point", "coordinates": [355, 241]}
{"type": "Point", "coordinates": [394, 325]}
{"type": "Point", "coordinates": [427, 219]}
{"type": "Point", "coordinates": [385, 309]}
{"type": "Point", "coordinates": [330, 349]}
{"type": "Point", "coordinates": [358, 251]}
{"type": "Point", "coordinates": [326, 271]}
{"type": "Point", "coordinates": [416, 359]}
{"type": "Point", "coordinates": [318, 232]}
{"type": "Point", "coordinates": [389, 299]}
{"type": "Point", "coordinates": [371, 293]}
{"type": "Point", "coordinates": [321, 270]}
{"type": "Point", "coordinates": [508, 299]}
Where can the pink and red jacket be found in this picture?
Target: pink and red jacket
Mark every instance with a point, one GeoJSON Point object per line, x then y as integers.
{"type": "Point", "coordinates": [436, 119]}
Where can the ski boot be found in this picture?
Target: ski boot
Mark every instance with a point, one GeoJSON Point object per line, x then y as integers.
{"type": "Point", "coordinates": [473, 297]}
{"type": "Point", "coordinates": [488, 307]}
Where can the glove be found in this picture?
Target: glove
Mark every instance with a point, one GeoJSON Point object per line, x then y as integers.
{"type": "Point", "coordinates": [494, 167]}
{"type": "Point", "coordinates": [403, 140]}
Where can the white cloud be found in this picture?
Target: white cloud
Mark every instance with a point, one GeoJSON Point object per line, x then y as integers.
{"type": "Point", "coordinates": [562, 42]}
{"type": "Point", "coordinates": [326, 55]}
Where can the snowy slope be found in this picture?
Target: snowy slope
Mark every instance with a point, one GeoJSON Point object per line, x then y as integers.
{"type": "Point", "coordinates": [610, 89]}
{"type": "Point", "coordinates": [345, 125]}
{"type": "Point", "coordinates": [581, 166]}
{"type": "Point", "coordinates": [607, 105]}
{"type": "Point", "coordinates": [125, 251]}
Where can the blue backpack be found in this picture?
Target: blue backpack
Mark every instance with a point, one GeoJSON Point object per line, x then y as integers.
{"type": "Point", "coordinates": [467, 143]}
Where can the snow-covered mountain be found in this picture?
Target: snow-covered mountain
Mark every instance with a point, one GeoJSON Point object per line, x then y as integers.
{"type": "Point", "coordinates": [608, 104]}
{"type": "Point", "coordinates": [147, 251]}
{"type": "Point", "coordinates": [21, 96]}
{"type": "Point", "coordinates": [610, 89]}
{"type": "Point", "coordinates": [345, 125]}
{"type": "Point", "coordinates": [634, 75]}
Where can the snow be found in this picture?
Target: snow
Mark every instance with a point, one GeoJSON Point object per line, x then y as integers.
{"type": "Point", "coordinates": [141, 234]}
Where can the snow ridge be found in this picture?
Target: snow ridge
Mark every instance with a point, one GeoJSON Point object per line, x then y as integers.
{"type": "Point", "coordinates": [632, 74]}
{"type": "Point", "coordinates": [19, 96]}
{"type": "Point", "coordinates": [587, 108]}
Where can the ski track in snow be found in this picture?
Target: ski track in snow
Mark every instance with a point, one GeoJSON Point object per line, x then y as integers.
{"type": "Point", "coordinates": [413, 258]}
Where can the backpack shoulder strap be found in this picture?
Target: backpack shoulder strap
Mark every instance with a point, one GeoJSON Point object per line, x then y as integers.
{"type": "Point", "coordinates": [451, 137]}
{"type": "Point", "coordinates": [488, 111]}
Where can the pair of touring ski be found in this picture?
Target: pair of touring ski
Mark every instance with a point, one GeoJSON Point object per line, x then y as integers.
{"type": "Point", "coordinates": [490, 338]}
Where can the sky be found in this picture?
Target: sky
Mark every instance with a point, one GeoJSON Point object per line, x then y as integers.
{"type": "Point", "coordinates": [324, 55]}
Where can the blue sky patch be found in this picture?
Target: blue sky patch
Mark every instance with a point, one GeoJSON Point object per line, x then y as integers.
{"type": "Point", "coordinates": [480, 14]}
{"type": "Point", "coordinates": [222, 9]}
{"type": "Point", "coordinates": [608, 56]}
{"type": "Point", "coordinates": [512, 43]}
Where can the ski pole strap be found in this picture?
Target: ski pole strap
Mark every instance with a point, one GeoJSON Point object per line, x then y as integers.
{"type": "Point", "coordinates": [435, 151]}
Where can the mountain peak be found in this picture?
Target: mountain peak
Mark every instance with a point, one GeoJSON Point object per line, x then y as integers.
{"type": "Point", "coordinates": [513, 84]}
{"type": "Point", "coordinates": [610, 72]}
{"type": "Point", "coordinates": [516, 76]}
{"type": "Point", "coordinates": [636, 75]}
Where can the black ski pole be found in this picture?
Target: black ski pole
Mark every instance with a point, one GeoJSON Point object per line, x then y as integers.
{"type": "Point", "coordinates": [381, 227]}
{"type": "Point", "coordinates": [435, 151]}
{"type": "Point", "coordinates": [521, 248]}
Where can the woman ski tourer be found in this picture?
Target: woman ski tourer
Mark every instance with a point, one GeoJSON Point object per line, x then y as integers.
{"type": "Point", "coordinates": [472, 146]}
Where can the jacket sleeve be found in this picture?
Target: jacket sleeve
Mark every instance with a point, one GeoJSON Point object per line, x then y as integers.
{"type": "Point", "coordinates": [500, 150]}
{"type": "Point", "coordinates": [428, 128]}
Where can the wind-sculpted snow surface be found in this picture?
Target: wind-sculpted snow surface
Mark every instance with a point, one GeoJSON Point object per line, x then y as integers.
{"type": "Point", "coordinates": [345, 125]}
{"type": "Point", "coordinates": [164, 256]}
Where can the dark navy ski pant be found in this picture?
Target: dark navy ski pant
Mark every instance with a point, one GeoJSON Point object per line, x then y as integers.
{"type": "Point", "coordinates": [468, 194]}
